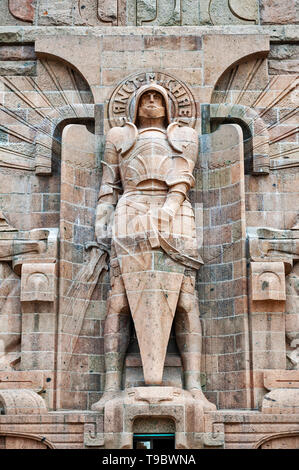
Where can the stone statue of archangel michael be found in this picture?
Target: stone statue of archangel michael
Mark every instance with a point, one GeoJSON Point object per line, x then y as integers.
{"type": "Point", "coordinates": [143, 207]}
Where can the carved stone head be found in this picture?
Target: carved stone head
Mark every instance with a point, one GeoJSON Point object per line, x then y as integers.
{"type": "Point", "coordinates": [152, 102]}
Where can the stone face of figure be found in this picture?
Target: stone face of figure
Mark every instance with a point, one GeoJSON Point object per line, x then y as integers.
{"type": "Point", "coordinates": [151, 105]}
{"type": "Point", "coordinates": [144, 209]}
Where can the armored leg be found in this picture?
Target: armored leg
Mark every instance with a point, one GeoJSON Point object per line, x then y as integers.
{"type": "Point", "coordinates": [116, 335]}
{"type": "Point", "coordinates": [189, 337]}
{"type": "Point", "coordinates": [116, 340]}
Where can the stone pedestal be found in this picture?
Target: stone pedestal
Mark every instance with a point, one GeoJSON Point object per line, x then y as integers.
{"type": "Point", "coordinates": [143, 408]}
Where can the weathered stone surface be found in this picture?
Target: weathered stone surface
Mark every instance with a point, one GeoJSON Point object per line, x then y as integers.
{"type": "Point", "coordinates": [276, 379]}
{"type": "Point", "coordinates": [87, 55]}
{"type": "Point", "coordinates": [281, 401]}
{"type": "Point", "coordinates": [22, 9]}
{"type": "Point", "coordinates": [22, 402]}
{"type": "Point", "coordinates": [166, 13]}
{"type": "Point", "coordinates": [15, 52]}
{"type": "Point", "coordinates": [22, 379]}
{"type": "Point", "coordinates": [284, 52]}
{"type": "Point", "coordinates": [277, 33]}
{"type": "Point", "coordinates": [11, 68]}
{"type": "Point", "coordinates": [57, 13]}
{"type": "Point", "coordinates": [276, 12]}
{"type": "Point", "coordinates": [219, 56]}
{"type": "Point", "coordinates": [268, 281]}
{"type": "Point", "coordinates": [149, 12]}
{"type": "Point", "coordinates": [233, 12]}
{"type": "Point", "coordinates": [277, 67]}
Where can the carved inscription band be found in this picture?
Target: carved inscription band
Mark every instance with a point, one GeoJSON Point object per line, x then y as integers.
{"type": "Point", "coordinates": [181, 100]}
{"type": "Point", "coordinates": [167, 12]}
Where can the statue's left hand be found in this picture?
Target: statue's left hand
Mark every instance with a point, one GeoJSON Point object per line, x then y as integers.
{"type": "Point", "coordinates": [161, 218]}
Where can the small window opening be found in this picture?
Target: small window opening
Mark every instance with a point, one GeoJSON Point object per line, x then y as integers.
{"type": "Point", "coordinates": [154, 441]}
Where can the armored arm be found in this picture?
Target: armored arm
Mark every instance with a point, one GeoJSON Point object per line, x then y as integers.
{"type": "Point", "coordinates": [109, 191]}
{"type": "Point", "coordinates": [180, 179]}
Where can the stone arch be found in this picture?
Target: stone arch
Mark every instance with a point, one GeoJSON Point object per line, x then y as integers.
{"type": "Point", "coordinates": [83, 50]}
{"type": "Point", "coordinates": [282, 440]}
{"type": "Point", "coordinates": [255, 134]}
{"type": "Point", "coordinates": [48, 147]}
{"type": "Point", "coordinates": [17, 402]}
{"type": "Point", "coordinates": [237, 95]}
{"type": "Point", "coordinates": [20, 440]}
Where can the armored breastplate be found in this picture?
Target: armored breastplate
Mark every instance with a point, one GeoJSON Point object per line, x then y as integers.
{"type": "Point", "coordinates": [148, 163]}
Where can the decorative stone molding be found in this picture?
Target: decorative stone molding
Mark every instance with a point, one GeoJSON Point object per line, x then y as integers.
{"type": "Point", "coordinates": [276, 379]}
{"type": "Point", "coordinates": [34, 246]}
{"type": "Point", "coordinates": [214, 435]}
{"type": "Point", "coordinates": [24, 440]}
{"type": "Point", "coordinates": [268, 281]}
{"type": "Point", "coordinates": [32, 380]}
{"type": "Point", "coordinates": [33, 255]}
{"type": "Point", "coordinates": [92, 435]}
{"type": "Point", "coordinates": [154, 396]}
{"type": "Point", "coordinates": [281, 400]}
{"type": "Point", "coordinates": [4, 225]}
{"type": "Point", "coordinates": [22, 402]}
{"type": "Point", "coordinates": [45, 144]}
{"type": "Point", "coordinates": [215, 438]}
{"type": "Point", "coordinates": [142, 402]}
{"type": "Point", "coordinates": [38, 282]}
{"type": "Point", "coordinates": [273, 253]}
{"type": "Point", "coordinates": [233, 12]}
{"type": "Point", "coordinates": [167, 12]}
{"type": "Point", "coordinates": [281, 437]}
{"type": "Point", "coordinates": [272, 245]}
{"type": "Point", "coordinates": [244, 116]}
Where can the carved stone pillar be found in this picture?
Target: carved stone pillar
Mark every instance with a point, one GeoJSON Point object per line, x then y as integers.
{"type": "Point", "coordinates": [273, 253]}
{"type": "Point", "coordinates": [32, 255]}
{"type": "Point", "coordinates": [39, 314]}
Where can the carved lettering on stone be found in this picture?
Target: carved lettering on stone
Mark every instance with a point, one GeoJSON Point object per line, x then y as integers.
{"type": "Point", "coordinates": [122, 102]}
{"type": "Point", "coordinates": [233, 12]}
{"type": "Point", "coordinates": [159, 12]}
{"type": "Point", "coordinates": [163, 12]}
{"type": "Point", "coordinates": [101, 12]}
{"type": "Point", "coordinates": [22, 9]}
{"type": "Point", "coordinates": [108, 11]}
{"type": "Point", "coordinates": [246, 10]}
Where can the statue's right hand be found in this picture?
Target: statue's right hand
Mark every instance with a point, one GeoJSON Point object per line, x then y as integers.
{"type": "Point", "coordinates": [103, 238]}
